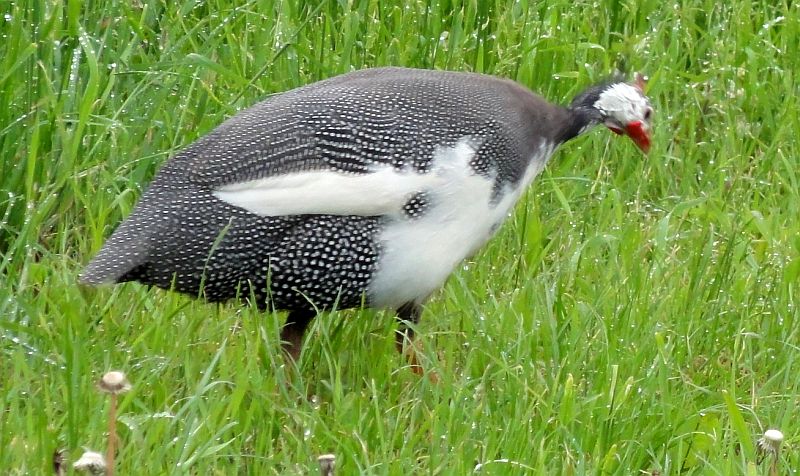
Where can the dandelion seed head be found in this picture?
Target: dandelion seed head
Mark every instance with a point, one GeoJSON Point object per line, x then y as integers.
{"type": "Point", "coordinates": [774, 436]}
{"type": "Point", "coordinates": [114, 382]}
{"type": "Point", "coordinates": [90, 462]}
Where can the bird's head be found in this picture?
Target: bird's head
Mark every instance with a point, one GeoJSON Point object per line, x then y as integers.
{"type": "Point", "coordinates": [622, 107]}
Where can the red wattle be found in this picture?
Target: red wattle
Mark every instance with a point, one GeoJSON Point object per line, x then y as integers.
{"type": "Point", "coordinates": [639, 136]}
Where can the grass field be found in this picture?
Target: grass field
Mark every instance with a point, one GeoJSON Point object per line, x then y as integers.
{"type": "Point", "coordinates": [638, 315]}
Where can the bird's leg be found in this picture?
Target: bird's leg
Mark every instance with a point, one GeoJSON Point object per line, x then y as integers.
{"type": "Point", "coordinates": [293, 330]}
{"type": "Point", "coordinates": [410, 312]}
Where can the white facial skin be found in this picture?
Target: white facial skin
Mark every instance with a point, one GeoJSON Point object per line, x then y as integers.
{"type": "Point", "coordinates": [623, 104]}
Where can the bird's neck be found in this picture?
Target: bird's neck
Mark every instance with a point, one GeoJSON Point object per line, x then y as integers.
{"type": "Point", "coordinates": [579, 120]}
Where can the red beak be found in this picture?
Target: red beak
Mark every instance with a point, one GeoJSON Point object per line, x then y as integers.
{"type": "Point", "coordinates": [638, 135]}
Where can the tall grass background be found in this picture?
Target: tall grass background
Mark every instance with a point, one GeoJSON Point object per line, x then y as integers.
{"type": "Point", "coordinates": [636, 315]}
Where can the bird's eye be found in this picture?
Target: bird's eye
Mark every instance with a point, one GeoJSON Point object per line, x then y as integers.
{"type": "Point", "coordinates": [647, 114]}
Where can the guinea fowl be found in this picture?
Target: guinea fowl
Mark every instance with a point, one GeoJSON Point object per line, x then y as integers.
{"type": "Point", "coordinates": [366, 188]}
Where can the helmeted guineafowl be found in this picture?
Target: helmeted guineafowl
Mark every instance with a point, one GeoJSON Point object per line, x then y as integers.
{"type": "Point", "coordinates": [368, 187]}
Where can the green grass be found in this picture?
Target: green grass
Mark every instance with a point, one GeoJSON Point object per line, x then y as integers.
{"type": "Point", "coordinates": [636, 314]}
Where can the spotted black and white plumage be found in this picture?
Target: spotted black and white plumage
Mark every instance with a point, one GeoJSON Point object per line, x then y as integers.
{"type": "Point", "coordinates": [369, 187]}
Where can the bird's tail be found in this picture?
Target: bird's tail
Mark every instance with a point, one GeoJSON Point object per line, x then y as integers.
{"type": "Point", "coordinates": [118, 259]}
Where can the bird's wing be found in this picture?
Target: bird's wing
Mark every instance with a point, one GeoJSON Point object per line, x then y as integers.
{"type": "Point", "coordinates": [344, 149]}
